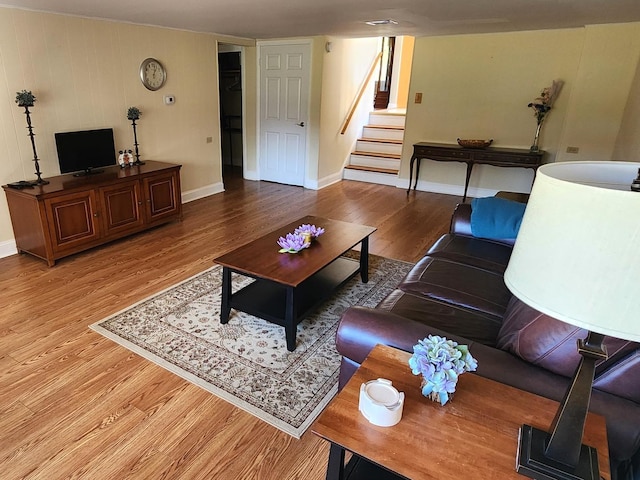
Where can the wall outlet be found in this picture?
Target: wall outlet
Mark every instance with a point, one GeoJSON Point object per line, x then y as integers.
{"type": "Point", "coordinates": [209, 139]}
{"type": "Point", "coordinates": [418, 98]}
{"type": "Point", "coordinates": [573, 149]}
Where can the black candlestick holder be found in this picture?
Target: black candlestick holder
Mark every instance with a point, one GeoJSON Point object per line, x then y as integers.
{"type": "Point", "coordinates": [135, 144]}
{"type": "Point", "coordinates": [39, 181]}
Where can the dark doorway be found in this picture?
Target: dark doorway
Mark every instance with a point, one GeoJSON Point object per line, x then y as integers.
{"type": "Point", "coordinates": [383, 83]}
{"type": "Point", "coordinates": [230, 82]}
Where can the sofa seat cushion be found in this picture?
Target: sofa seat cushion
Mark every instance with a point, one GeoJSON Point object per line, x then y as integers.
{"type": "Point", "coordinates": [484, 254]}
{"type": "Point", "coordinates": [551, 344]}
{"type": "Point", "coordinates": [444, 316]}
{"type": "Point", "coordinates": [468, 287]}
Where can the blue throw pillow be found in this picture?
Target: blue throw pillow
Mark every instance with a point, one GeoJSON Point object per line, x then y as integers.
{"type": "Point", "coordinates": [496, 218]}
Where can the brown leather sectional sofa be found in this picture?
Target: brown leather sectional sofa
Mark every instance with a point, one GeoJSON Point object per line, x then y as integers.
{"type": "Point", "coordinates": [457, 290]}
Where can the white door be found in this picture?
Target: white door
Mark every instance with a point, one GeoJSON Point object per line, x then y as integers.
{"type": "Point", "coordinates": [284, 104]}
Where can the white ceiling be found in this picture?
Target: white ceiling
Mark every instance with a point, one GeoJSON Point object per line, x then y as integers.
{"type": "Point", "coordinates": [291, 18]}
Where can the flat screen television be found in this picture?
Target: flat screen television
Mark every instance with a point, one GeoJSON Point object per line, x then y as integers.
{"type": "Point", "coordinates": [85, 152]}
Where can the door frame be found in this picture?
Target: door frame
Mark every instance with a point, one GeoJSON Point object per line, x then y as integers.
{"type": "Point", "coordinates": [309, 123]}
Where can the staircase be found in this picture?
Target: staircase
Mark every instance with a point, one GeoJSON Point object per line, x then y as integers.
{"type": "Point", "coordinates": [376, 158]}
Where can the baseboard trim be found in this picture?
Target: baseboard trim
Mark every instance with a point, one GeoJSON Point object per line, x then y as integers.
{"type": "Point", "coordinates": [202, 192]}
{"type": "Point", "coordinates": [325, 182]}
{"type": "Point", "coordinates": [447, 189]}
{"type": "Point", "coordinates": [250, 174]}
{"type": "Point", "coordinates": [8, 248]}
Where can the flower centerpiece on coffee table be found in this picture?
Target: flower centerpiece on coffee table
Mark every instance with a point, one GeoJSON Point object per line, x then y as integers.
{"type": "Point", "coordinates": [300, 239]}
{"type": "Point", "coordinates": [440, 362]}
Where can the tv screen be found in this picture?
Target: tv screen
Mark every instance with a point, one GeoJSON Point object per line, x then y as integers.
{"type": "Point", "coordinates": [86, 151]}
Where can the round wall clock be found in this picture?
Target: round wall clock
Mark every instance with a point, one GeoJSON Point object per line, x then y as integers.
{"type": "Point", "coordinates": [152, 74]}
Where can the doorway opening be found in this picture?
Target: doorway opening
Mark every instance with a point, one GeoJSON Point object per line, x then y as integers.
{"type": "Point", "coordinates": [383, 82]}
{"type": "Point", "coordinates": [230, 90]}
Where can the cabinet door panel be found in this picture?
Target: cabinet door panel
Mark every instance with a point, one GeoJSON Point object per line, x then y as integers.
{"type": "Point", "coordinates": [72, 219]}
{"type": "Point", "coordinates": [121, 206]}
{"type": "Point", "coordinates": [162, 196]}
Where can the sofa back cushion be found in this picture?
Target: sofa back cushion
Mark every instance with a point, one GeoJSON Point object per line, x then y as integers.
{"type": "Point", "coordinates": [551, 344]}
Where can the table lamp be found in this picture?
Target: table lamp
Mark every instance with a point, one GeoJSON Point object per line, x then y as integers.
{"type": "Point", "coordinates": [577, 259]}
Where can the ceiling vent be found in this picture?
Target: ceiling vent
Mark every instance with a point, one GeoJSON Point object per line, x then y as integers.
{"type": "Point", "coordinates": [376, 23]}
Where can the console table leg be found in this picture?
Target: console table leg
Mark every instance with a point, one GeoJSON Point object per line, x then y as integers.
{"type": "Point", "coordinates": [225, 309]}
{"type": "Point", "coordinates": [466, 182]}
{"type": "Point", "coordinates": [419, 159]}
{"type": "Point", "coordinates": [364, 260]}
{"type": "Point", "coordinates": [335, 467]}
{"type": "Point", "coordinates": [413, 160]}
{"type": "Point", "coordinates": [290, 320]}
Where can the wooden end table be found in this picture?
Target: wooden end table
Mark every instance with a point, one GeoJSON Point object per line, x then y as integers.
{"type": "Point", "coordinates": [473, 436]}
{"type": "Point", "coordinates": [290, 286]}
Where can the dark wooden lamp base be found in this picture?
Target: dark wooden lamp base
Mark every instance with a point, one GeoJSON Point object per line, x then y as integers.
{"type": "Point", "coordinates": [532, 462]}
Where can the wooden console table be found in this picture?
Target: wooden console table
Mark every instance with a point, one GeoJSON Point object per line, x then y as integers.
{"type": "Point", "coordinates": [498, 157]}
{"type": "Point", "coordinates": [473, 436]}
{"type": "Point", "coordinates": [71, 214]}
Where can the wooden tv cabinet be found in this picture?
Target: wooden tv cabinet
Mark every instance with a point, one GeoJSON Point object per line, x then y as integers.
{"type": "Point", "coordinates": [72, 214]}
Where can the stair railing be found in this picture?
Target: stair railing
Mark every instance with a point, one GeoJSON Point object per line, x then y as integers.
{"type": "Point", "coordinates": [363, 87]}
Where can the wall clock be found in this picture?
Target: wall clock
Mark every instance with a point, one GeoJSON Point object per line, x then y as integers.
{"type": "Point", "coordinates": [152, 74]}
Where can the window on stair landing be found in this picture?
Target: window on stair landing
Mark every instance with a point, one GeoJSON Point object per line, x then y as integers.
{"type": "Point", "coordinates": [383, 82]}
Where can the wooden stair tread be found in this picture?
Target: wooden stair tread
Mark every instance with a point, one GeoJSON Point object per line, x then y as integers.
{"type": "Point", "coordinates": [380, 140]}
{"type": "Point", "coordinates": [386, 112]}
{"type": "Point", "coordinates": [391, 171]}
{"type": "Point", "coordinates": [395, 156]}
{"type": "Point", "coordinates": [387, 127]}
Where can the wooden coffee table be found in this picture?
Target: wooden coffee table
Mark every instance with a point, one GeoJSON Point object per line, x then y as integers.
{"type": "Point", "coordinates": [473, 436]}
{"type": "Point", "coordinates": [289, 286]}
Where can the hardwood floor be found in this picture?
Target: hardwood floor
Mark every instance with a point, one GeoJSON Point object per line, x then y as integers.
{"type": "Point", "coordinates": [76, 405]}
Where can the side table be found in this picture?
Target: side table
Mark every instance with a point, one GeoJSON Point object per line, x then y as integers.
{"type": "Point", "coordinates": [475, 435]}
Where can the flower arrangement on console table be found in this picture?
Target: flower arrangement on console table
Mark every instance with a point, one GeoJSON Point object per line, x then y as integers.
{"type": "Point", "coordinates": [300, 239]}
{"type": "Point", "coordinates": [541, 107]}
{"type": "Point", "coordinates": [440, 362]}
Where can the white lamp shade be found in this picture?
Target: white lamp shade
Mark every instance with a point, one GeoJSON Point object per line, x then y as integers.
{"type": "Point", "coordinates": [577, 255]}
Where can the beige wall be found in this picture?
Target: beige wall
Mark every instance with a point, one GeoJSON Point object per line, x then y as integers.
{"type": "Point", "coordinates": [402, 71]}
{"type": "Point", "coordinates": [478, 86]}
{"type": "Point", "coordinates": [628, 141]}
{"type": "Point", "coordinates": [84, 74]}
{"type": "Point", "coordinates": [344, 71]}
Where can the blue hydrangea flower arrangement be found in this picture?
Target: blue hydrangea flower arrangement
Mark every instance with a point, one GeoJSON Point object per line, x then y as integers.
{"type": "Point", "coordinates": [440, 362]}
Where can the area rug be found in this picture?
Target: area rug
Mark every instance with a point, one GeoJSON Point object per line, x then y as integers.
{"type": "Point", "coordinates": [246, 361]}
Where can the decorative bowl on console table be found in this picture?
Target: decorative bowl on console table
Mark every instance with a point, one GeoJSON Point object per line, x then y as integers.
{"type": "Point", "coordinates": [474, 143]}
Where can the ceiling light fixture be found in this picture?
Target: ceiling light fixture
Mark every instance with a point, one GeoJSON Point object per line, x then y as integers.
{"type": "Point", "coordinates": [375, 23]}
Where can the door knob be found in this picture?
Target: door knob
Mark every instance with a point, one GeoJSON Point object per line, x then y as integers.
{"type": "Point", "coordinates": [301, 124]}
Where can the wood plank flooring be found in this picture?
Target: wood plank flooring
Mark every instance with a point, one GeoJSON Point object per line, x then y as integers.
{"type": "Point", "coordinates": [76, 405]}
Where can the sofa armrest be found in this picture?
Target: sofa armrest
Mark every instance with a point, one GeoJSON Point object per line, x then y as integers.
{"type": "Point", "coordinates": [461, 220]}
{"type": "Point", "coordinates": [362, 328]}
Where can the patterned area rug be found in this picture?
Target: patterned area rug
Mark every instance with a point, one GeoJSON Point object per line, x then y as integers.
{"type": "Point", "coordinates": [246, 361]}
